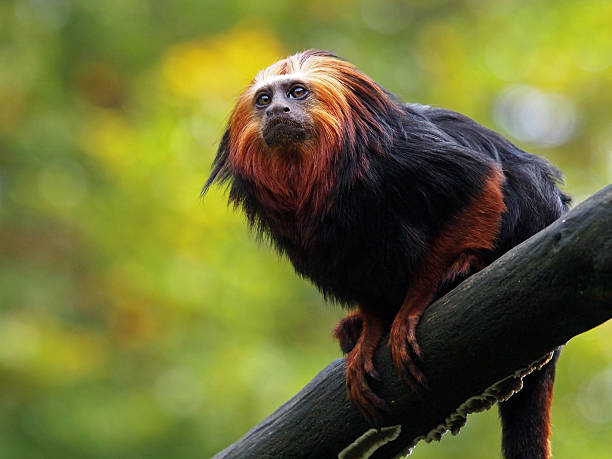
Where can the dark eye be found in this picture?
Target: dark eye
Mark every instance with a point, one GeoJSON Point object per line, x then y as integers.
{"type": "Point", "coordinates": [263, 99]}
{"type": "Point", "coordinates": [297, 92]}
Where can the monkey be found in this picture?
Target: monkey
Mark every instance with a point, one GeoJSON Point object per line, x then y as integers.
{"type": "Point", "coordinates": [385, 206]}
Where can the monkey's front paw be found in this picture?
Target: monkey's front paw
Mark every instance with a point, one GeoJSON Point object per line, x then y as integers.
{"type": "Point", "coordinates": [360, 375]}
{"type": "Point", "coordinates": [404, 346]}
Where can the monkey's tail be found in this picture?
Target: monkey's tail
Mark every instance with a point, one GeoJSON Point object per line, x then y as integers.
{"type": "Point", "coordinates": [526, 415]}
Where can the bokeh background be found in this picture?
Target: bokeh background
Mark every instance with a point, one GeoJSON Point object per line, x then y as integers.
{"type": "Point", "coordinates": [137, 320]}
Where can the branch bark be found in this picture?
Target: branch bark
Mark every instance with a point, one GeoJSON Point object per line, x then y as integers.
{"type": "Point", "coordinates": [478, 341]}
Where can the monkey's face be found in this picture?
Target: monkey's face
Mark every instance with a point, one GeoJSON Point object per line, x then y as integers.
{"type": "Point", "coordinates": [281, 105]}
{"type": "Point", "coordinates": [293, 122]}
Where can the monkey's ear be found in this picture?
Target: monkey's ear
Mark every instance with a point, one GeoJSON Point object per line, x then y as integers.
{"type": "Point", "coordinates": [219, 173]}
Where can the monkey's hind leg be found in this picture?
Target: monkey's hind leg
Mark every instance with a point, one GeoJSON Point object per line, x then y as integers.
{"type": "Point", "coordinates": [348, 330]}
{"type": "Point", "coordinates": [526, 415]}
{"type": "Point", "coordinates": [360, 371]}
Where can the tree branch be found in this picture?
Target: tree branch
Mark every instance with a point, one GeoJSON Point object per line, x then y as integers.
{"type": "Point", "coordinates": [478, 341]}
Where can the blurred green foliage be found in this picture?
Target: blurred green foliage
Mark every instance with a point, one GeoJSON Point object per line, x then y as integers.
{"type": "Point", "coordinates": [139, 321]}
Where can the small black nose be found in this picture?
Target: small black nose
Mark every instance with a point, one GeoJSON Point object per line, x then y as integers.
{"type": "Point", "coordinates": [277, 109]}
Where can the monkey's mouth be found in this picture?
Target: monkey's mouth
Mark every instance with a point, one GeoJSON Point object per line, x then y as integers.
{"type": "Point", "coordinates": [283, 131]}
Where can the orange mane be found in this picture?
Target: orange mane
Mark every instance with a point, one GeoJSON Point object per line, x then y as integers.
{"type": "Point", "coordinates": [347, 111]}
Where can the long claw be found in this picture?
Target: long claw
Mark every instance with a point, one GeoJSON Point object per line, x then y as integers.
{"type": "Point", "coordinates": [405, 350]}
{"type": "Point", "coordinates": [413, 344]}
{"type": "Point", "coordinates": [372, 407]}
{"type": "Point", "coordinates": [410, 368]}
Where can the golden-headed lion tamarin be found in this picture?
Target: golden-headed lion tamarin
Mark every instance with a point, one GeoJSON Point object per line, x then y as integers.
{"type": "Point", "coordinates": [384, 206]}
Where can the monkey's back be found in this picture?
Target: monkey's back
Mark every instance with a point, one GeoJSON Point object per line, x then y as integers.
{"type": "Point", "coordinates": [532, 197]}
{"type": "Point", "coordinates": [367, 248]}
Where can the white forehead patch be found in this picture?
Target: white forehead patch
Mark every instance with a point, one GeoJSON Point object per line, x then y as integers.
{"type": "Point", "coordinates": [274, 78]}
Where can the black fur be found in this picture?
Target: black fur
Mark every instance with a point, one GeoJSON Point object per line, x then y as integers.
{"type": "Point", "coordinates": [364, 247]}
